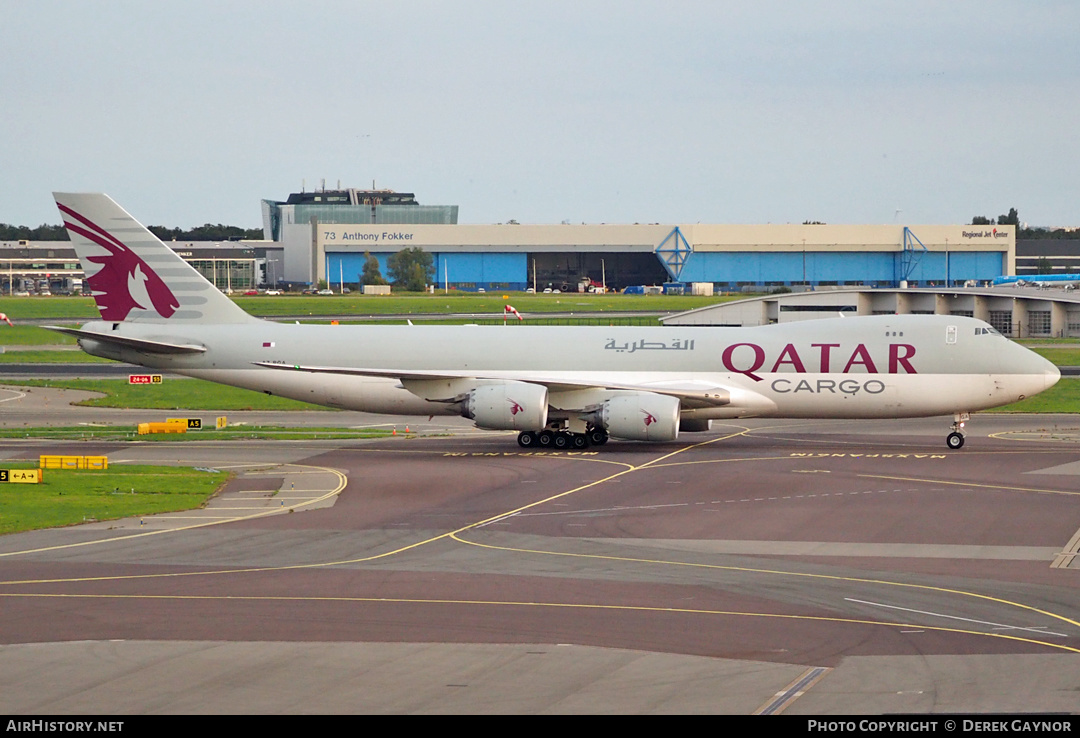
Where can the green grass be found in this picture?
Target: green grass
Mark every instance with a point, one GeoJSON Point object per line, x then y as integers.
{"type": "Point", "coordinates": [586, 319]}
{"type": "Point", "coordinates": [1063, 397]}
{"type": "Point", "coordinates": [1035, 341]}
{"type": "Point", "coordinates": [70, 497]}
{"type": "Point", "coordinates": [464, 302]}
{"type": "Point", "coordinates": [83, 308]}
{"type": "Point", "coordinates": [30, 335]}
{"type": "Point", "coordinates": [46, 356]}
{"type": "Point", "coordinates": [171, 394]}
{"type": "Point", "coordinates": [66, 308]}
{"type": "Point", "coordinates": [208, 433]}
{"type": "Point", "coordinates": [1060, 356]}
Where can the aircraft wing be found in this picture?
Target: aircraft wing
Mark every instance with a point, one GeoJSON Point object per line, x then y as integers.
{"type": "Point", "coordinates": [691, 393]}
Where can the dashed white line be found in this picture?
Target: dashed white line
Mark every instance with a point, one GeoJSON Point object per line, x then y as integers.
{"type": "Point", "coordinates": [1041, 630]}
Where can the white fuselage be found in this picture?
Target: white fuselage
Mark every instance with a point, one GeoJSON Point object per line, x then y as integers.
{"type": "Point", "coordinates": [879, 366]}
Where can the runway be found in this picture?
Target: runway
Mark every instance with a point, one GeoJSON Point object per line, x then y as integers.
{"type": "Point", "coordinates": [459, 574]}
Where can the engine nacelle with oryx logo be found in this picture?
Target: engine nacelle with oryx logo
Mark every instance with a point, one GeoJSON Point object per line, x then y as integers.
{"type": "Point", "coordinates": [519, 406]}
{"type": "Point", "coordinates": [642, 416]}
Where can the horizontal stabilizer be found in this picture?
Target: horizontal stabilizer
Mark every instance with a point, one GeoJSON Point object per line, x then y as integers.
{"type": "Point", "coordinates": [139, 344]}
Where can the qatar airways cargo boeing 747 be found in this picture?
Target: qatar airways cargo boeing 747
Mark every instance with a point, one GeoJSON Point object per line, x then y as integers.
{"type": "Point", "coordinates": [556, 386]}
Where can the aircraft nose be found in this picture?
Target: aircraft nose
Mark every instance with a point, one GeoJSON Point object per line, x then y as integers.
{"type": "Point", "coordinates": [1052, 374]}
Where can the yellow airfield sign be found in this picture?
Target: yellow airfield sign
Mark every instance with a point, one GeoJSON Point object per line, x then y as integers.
{"type": "Point", "coordinates": [20, 476]}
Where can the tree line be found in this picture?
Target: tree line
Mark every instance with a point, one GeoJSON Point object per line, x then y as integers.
{"type": "Point", "coordinates": [43, 232]}
{"type": "Point", "coordinates": [410, 269]}
{"type": "Point", "coordinates": [207, 232]}
{"type": "Point", "coordinates": [1013, 218]}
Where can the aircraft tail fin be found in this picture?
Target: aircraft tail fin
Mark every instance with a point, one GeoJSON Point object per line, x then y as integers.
{"type": "Point", "coordinates": [133, 275]}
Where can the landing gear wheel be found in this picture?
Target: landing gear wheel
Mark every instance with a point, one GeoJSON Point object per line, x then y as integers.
{"type": "Point", "coordinates": [527, 439]}
{"type": "Point", "coordinates": [561, 440]}
{"type": "Point", "coordinates": [545, 439]}
{"type": "Point", "coordinates": [597, 437]}
{"type": "Point", "coordinates": [579, 440]}
{"type": "Point", "coordinates": [955, 440]}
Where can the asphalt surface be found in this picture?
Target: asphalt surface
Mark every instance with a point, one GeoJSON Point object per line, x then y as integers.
{"type": "Point", "coordinates": [456, 573]}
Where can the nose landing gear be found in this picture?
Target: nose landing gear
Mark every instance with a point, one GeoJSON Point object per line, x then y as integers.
{"type": "Point", "coordinates": [955, 440]}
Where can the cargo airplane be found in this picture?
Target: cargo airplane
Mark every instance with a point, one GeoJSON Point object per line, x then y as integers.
{"type": "Point", "coordinates": [563, 387]}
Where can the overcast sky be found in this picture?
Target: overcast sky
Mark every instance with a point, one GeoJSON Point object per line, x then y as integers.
{"type": "Point", "coordinates": [189, 112]}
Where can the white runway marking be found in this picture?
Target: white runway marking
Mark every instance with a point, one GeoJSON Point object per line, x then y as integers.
{"type": "Point", "coordinates": [1041, 630]}
{"type": "Point", "coordinates": [18, 395]}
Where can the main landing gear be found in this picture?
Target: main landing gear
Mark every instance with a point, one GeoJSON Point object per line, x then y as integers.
{"type": "Point", "coordinates": [955, 439]}
{"type": "Point", "coordinates": [561, 439]}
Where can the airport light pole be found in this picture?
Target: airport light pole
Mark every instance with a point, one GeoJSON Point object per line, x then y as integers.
{"type": "Point", "coordinates": [804, 263]}
{"type": "Point", "coordinates": [946, 263]}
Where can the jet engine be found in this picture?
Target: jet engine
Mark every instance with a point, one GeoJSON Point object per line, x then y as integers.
{"type": "Point", "coordinates": [694, 425]}
{"type": "Point", "coordinates": [519, 406]}
{"type": "Point", "coordinates": [641, 416]}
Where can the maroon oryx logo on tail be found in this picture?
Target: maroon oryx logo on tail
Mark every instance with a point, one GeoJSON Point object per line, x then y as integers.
{"type": "Point", "coordinates": [125, 281]}
{"type": "Point", "coordinates": [649, 418]}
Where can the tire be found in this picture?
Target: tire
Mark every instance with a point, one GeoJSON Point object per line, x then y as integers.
{"type": "Point", "coordinates": [561, 441]}
{"type": "Point", "coordinates": [527, 439]}
{"type": "Point", "coordinates": [545, 439]}
{"type": "Point", "coordinates": [597, 437]}
{"type": "Point", "coordinates": [955, 441]}
{"type": "Point", "coordinates": [579, 440]}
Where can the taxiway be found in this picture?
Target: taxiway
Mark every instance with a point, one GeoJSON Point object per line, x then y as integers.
{"type": "Point", "coordinates": [859, 560]}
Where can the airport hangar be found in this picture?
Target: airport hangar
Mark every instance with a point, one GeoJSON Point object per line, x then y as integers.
{"type": "Point", "coordinates": [325, 234]}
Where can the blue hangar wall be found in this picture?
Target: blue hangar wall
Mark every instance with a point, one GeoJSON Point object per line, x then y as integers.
{"type": "Point", "coordinates": [464, 271]}
{"type": "Point", "coordinates": [733, 269]}
{"type": "Point", "coordinates": [727, 270]}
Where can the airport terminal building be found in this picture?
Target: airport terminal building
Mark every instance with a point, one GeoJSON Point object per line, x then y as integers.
{"type": "Point", "coordinates": [52, 268]}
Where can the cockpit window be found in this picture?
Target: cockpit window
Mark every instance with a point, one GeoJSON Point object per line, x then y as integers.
{"type": "Point", "coordinates": [986, 332]}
